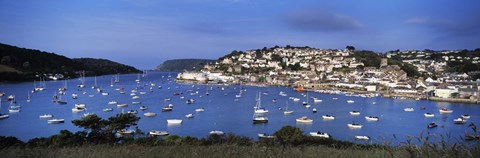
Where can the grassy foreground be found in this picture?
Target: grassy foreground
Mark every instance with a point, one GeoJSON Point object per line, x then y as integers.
{"type": "Point", "coordinates": [226, 150]}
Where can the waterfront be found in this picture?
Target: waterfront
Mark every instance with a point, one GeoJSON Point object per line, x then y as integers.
{"type": "Point", "coordinates": [223, 112]}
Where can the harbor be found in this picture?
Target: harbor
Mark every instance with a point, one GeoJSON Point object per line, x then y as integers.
{"type": "Point", "coordinates": [219, 107]}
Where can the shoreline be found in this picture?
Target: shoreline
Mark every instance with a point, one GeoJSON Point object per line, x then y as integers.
{"type": "Point", "coordinates": [350, 92]}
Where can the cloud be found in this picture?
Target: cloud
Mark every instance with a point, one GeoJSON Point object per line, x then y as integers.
{"type": "Point", "coordinates": [468, 25]}
{"type": "Point", "coordinates": [319, 21]}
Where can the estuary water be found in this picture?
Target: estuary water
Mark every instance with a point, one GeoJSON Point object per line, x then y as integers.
{"type": "Point", "coordinates": [225, 112]}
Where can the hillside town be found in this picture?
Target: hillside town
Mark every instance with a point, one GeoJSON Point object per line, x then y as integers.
{"type": "Point", "coordinates": [346, 71]}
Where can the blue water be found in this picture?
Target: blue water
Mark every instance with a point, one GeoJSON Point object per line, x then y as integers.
{"type": "Point", "coordinates": [224, 113]}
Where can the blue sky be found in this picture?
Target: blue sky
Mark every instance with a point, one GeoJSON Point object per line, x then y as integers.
{"type": "Point", "coordinates": [144, 33]}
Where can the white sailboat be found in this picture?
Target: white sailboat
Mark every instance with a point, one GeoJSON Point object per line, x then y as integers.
{"type": "Point", "coordinates": [111, 82]}
{"type": "Point", "coordinates": [117, 78]}
{"type": "Point", "coordinates": [287, 112]}
{"type": "Point", "coordinates": [138, 78]}
{"type": "Point", "coordinates": [82, 80]}
{"type": "Point", "coordinates": [95, 84]}
{"type": "Point", "coordinates": [28, 97]}
{"type": "Point", "coordinates": [258, 108]}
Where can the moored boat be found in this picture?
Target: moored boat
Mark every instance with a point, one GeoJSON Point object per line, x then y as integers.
{"type": "Point", "coordinates": [46, 116]}
{"type": "Point", "coordinates": [432, 125]}
{"type": "Point", "coordinates": [354, 112]}
{"type": "Point", "coordinates": [260, 119]}
{"type": "Point", "coordinates": [174, 121]}
{"type": "Point", "coordinates": [149, 114]}
{"type": "Point", "coordinates": [158, 133]}
{"type": "Point", "coordinates": [319, 134]}
{"type": "Point", "coordinates": [459, 120]}
{"type": "Point", "coordinates": [265, 135]}
{"type": "Point", "coordinates": [428, 114]}
{"type": "Point", "coordinates": [371, 118]}
{"type": "Point", "coordinates": [408, 109]}
{"type": "Point", "coordinates": [107, 109]}
{"type": "Point", "coordinates": [362, 137]}
{"type": "Point", "coordinates": [122, 105]}
{"type": "Point", "coordinates": [354, 125]}
{"type": "Point", "coordinates": [189, 115]}
{"type": "Point", "coordinates": [304, 119]}
{"type": "Point", "coordinates": [56, 121]}
{"type": "Point", "coordinates": [445, 111]}
{"type": "Point", "coordinates": [216, 132]}
{"type": "Point", "coordinates": [199, 110]}
{"type": "Point", "coordinates": [465, 116]}
{"type": "Point", "coordinates": [328, 117]}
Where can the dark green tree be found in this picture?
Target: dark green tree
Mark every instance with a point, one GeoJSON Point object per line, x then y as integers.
{"type": "Point", "coordinates": [289, 135]}
{"type": "Point", "coordinates": [350, 48]}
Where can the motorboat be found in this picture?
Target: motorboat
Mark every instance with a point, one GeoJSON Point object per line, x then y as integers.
{"type": "Point", "coordinates": [371, 118]}
{"type": "Point", "coordinates": [190, 101]}
{"type": "Point", "coordinates": [465, 116]}
{"type": "Point", "coordinates": [136, 102]}
{"type": "Point", "coordinates": [459, 120]}
{"type": "Point", "coordinates": [46, 116]}
{"type": "Point", "coordinates": [432, 125]}
{"type": "Point", "coordinates": [166, 109]}
{"type": "Point", "coordinates": [122, 105]}
{"type": "Point", "coordinates": [149, 114]}
{"type": "Point", "coordinates": [354, 125]}
{"type": "Point", "coordinates": [158, 133]}
{"type": "Point", "coordinates": [319, 134]}
{"type": "Point", "coordinates": [77, 109]}
{"type": "Point", "coordinates": [350, 101]}
{"type": "Point", "coordinates": [216, 132]}
{"type": "Point", "coordinates": [3, 116]}
{"type": "Point", "coordinates": [362, 137]}
{"type": "Point", "coordinates": [104, 93]}
{"type": "Point", "coordinates": [304, 119]}
{"type": "Point", "coordinates": [260, 119]}
{"type": "Point", "coordinates": [445, 111]}
{"type": "Point", "coordinates": [408, 109]}
{"type": "Point", "coordinates": [107, 109]}
{"type": "Point", "coordinates": [296, 99]}
{"type": "Point", "coordinates": [316, 100]}
{"type": "Point", "coordinates": [328, 117]}
{"type": "Point", "coordinates": [112, 103]}
{"type": "Point", "coordinates": [354, 112]}
{"type": "Point", "coordinates": [132, 112]}
{"type": "Point", "coordinates": [199, 110]}
{"type": "Point", "coordinates": [314, 110]}
{"type": "Point", "coordinates": [174, 121]}
{"type": "Point", "coordinates": [14, 109]}
{"type": "Point", "coordinates": [80, 105]}
{"type": "Point", "coordinates": [428, 114]}
{"type": "Point", "coordinates": [189, 115]}
{"type": "Point", "coordinates": [265, 135]}
{"type": "Point", "coordinates": [135, 97]}
{"type": "Point", "coordinates": [143, 107]}
{"type": "Point", "coordinates": [56, 121]}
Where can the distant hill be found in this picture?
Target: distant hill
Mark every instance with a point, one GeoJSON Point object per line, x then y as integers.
{"type": "Point", "coordinates": [178, 65]}
{"type": "Point", "coordinates": [22, 64]}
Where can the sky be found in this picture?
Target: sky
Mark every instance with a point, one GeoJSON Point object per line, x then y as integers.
{"type": "Point", "coordinates": [144, 33]}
